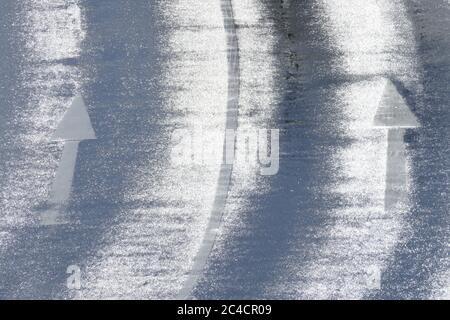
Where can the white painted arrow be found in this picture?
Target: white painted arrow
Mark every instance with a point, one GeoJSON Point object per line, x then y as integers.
{"type": "Point", "coordinates": [394, 114]}
{"type": "Point", "coordinates": [74, 128]}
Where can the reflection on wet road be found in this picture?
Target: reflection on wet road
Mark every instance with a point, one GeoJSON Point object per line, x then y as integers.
{"type": "Point", "coordinates": [358, 208]}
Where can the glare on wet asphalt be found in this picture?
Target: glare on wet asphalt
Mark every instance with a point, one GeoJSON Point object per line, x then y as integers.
{"type": "Point", "coordinates": [224, 149]}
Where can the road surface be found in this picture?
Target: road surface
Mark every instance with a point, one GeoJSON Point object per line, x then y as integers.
{"type": "Point", "coordinates": [358, 208]}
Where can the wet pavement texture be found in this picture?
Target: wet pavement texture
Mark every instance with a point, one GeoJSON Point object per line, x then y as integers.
{"type": "Point", "coordinates": [357, 89]}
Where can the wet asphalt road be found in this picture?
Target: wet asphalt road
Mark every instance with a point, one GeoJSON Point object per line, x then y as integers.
{"type": "Point", "coordinates": [316, 70]}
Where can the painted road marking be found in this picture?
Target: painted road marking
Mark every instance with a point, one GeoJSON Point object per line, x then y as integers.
{"type": "Point", "coordinates": [226, 170]}
{"type": "Point", "coordinates": [75, 127]}
{"type": "Point", "coordinates": [394, 114]}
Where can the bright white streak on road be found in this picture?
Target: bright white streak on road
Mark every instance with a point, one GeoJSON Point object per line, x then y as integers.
{"type": "Point", "coordinates": [441, 286]}
{"type": "Point", "coordinates": [55, 36]}
{"type": "Point", "coordinates": [151, 250]}
{"type": "Point", "coordinates": [374, 39]}
{"type": "Point", "coordinates": [257, 105]}
{"type": "Point", "coordinates": [52, 32]}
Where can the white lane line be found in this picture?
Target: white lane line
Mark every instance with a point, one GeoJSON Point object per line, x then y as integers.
{"type": "Point", "coordinates": [74, 127]}
{"type": "Point", "coordinates": [226, 170]}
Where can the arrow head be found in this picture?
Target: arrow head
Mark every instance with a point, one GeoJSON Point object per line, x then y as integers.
{"type": "Point", "coordinates": [76, 124]}
{"type": "Point", "coordinates": [393, 112]}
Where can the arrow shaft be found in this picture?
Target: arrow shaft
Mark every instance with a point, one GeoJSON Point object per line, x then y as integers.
{"type": "Point", "coordinates": [396, 171]}
{"type": "Point", "coordinates": [62, 185]}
